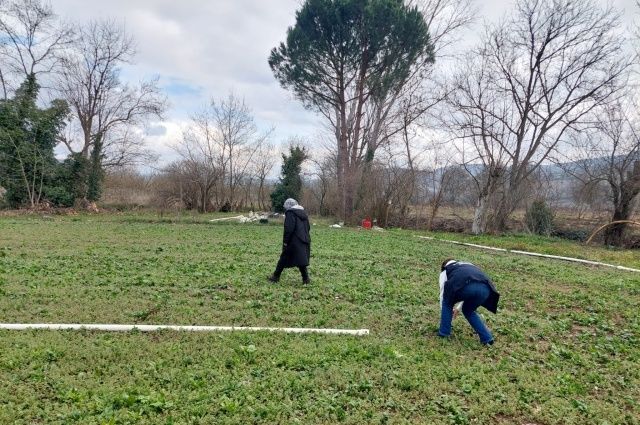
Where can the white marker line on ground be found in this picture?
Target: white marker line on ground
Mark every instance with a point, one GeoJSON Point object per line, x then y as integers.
{"type": "Point", "coordinates": [152, 328]}
{"type": "Point", "coordinates": [533, 254]}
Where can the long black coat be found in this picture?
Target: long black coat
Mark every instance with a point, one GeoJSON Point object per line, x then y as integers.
{"type": "Point", "coordinates": [296, 242]}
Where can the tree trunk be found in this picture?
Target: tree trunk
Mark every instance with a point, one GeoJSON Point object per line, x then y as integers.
{"type": "Point", "coordinates": [624, 196]}
{"type": "Point", "coordinates": [96, 174]}
{"type": "Point", "coordinates": [204, 195]}
{"type": "Point", "coordinates": [434, 211]}
{"type": "Point", "coordinates": [349, 193]}
{"type": "Point", "coordinates": [614, 235]}
{"type": "Point", "coordinates": [479, 225]}
{"type": "Point", "coordinates": [342, 137]}
{"type": "Point", "coordinates": [501, 216]}
{"type": "Point", "coordinates": [4, 86]}
{"type": "Point", "coordinates": [261, 202]}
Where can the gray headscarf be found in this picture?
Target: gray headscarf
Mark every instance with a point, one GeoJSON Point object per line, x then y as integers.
{"type": "Point", "coordinates": [290, 203]}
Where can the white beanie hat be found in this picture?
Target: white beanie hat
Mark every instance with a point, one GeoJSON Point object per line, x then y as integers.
{"type": "Point", "coordinates": [290, 203]}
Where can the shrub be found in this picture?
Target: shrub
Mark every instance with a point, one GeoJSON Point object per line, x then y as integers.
{"type": "Point", "coordinates": [578, 235]}
{"type": "Point", "coordinates": [539, 218]}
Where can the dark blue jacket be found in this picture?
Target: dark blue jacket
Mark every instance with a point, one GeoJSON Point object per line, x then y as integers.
{"type": "Point", "coordinates": [460, 275]}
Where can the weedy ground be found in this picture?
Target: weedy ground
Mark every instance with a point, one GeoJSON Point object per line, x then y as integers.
{"type": "Point", "coordinates": [567, 335]}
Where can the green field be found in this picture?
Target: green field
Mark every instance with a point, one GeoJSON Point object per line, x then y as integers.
{"type": "Point", "coordinates": [567, 337]}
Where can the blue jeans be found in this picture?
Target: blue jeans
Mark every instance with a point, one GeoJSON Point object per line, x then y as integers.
{"type": "Point", "coordinates": [473, 295]}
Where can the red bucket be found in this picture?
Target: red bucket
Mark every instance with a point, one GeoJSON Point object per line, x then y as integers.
{"type": "Point", "coordinates": [366, 223]}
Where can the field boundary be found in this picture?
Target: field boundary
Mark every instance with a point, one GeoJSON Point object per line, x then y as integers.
{"type": "Point", "coordinates": [532, 254]}
{"type": "Point", "coordinates": [153, 328]}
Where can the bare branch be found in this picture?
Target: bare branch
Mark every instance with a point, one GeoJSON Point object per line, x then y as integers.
{"type": "Point", "coordinates": [536, 77]}
{"type": "Point", "coordinates": [32, 40]}
{"type": "Point", "coordinates": [103, 106]}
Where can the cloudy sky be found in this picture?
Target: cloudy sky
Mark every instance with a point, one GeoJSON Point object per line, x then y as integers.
{"type": "Point", "coordinates": [205, 48]}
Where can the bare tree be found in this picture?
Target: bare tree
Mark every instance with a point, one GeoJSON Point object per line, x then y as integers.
{"type": "Point", "coordinates": [31, 41]}
{"type": "Point", "coordinates": [612, 155]}
{"type": "Point", "coordinates": [586, 195]}
{"type": "Point", "coordinates": [478, 120]}
{"type": "Point", "coordinates": [322, 184]}
{"type": "Point", "coordinates": [387, 192]}
{"type": "Point", "coordinates": [262, 166]}
{"type": "Point", "coordinates": [542, 71]}
{"type": "Point", "coordinates": [425, 86]}
{"type": "Point", "coordinates": [219, 149]}
{"type": "Point", "coordinates": [441, 181]}
{"type": "Point", "coordinates": [403, 116]}
{"type": "Point", "coordinates": [408, 135]}
{"type": "Point", "coordinates": [237, 138]}
{"type": "Point", "coordinates": [105, 110]}
{"type": "Point", "coordinates": [392, 118]}
{"type": "Point", "coordinates": [176, 187]}
{"type": "Point", "coordinates": [127, 149]}
{"type": "Point", "coordinates": [200, 163]}
{"type": "Point", "coordinates": [396, 117]}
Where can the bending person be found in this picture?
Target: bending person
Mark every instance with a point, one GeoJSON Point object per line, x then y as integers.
{"type": "Point", "coordinates": [296, 242]}
{"type": "Point", "coordinates": [463, 286]}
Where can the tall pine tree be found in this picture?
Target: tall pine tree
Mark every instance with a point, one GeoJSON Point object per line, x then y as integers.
{"type": "Point", "coordinates": [350, 60]}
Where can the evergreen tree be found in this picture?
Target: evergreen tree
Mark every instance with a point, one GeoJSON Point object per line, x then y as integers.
{"type": "Point", "coordinates": [28, 167]}
{"type": "Point", "coordinates": [351, 60]}
{"type": "Point", "coordinates": [290, 184]}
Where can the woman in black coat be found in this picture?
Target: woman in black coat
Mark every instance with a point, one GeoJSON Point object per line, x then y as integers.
{"type": "Point", "coordinates": [296, 242]}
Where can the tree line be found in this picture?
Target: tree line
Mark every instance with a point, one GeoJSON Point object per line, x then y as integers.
{"type": "Point", "coordinates": [96, 119]}
{"type": "Point", "coordinates": [91, 113]}
{"type": "Point", "coordinates": [412, 119]}
{"type": "Point", "coordinates": [553, 80]}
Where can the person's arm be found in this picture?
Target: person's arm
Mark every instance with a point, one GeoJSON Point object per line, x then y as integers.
{"type": "Point", "coordinates": [289, 228]}
{"type": "Point", "coordinates": [443, 280]}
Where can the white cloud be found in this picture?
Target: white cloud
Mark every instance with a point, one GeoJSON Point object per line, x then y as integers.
{"type": "Point", "coordinates": [162, 144]}
{"type": "Point", "coordinates": [206, 48]}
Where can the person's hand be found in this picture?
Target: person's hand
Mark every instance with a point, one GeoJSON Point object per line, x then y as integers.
{"type": "Point", "coordinates": [455, 312]}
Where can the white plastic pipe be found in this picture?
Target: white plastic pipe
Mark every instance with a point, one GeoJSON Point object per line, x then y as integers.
{"type": "Point", "coordinates": [227, 218]}
{"type": "Point", "coordinates": [533, 254]}
{"type": "Point", "coordinates": [152, 328]}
